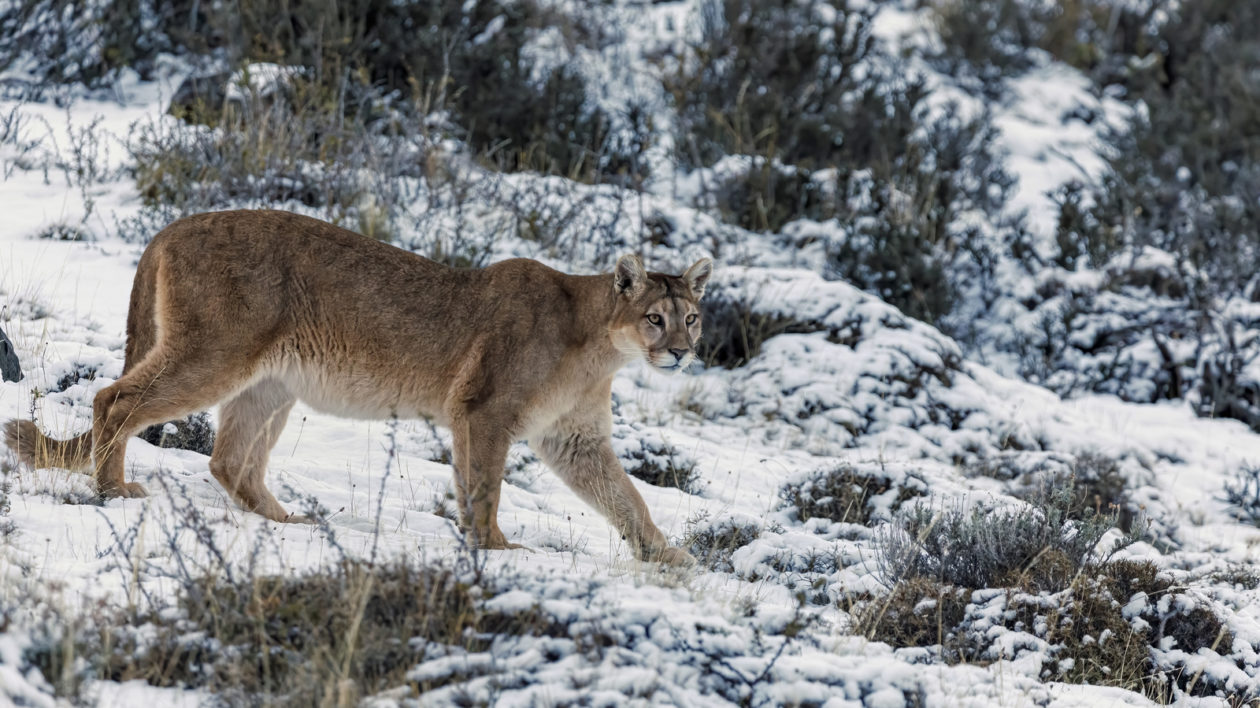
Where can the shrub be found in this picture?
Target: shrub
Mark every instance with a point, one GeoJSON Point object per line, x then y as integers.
{"type": "Point", "coordinates": [741, 88]}
{"type": "Point", "coordinates": [321, 637]}
{"type": "Point", "coordinates": [988, 41]}
{"type": "Point", "coordinates": [63, 41]}
{"type": "Point", "coordinates": [916, 612]}
{"type": "Point", "coordinates": [713, 544]}
{"type": "Point", "coordinates": [1242, 493]}
{"type": "Point", "coordinates": [733, 332]}
{"type": "Point", "coordinates": [907, 242]}
{"type": "Point", "coordinates": [664, 467]}
{"type": "Point", "coordinates": [1175, 184]}
{"type": "Point", "coordinates": [298, 151]}
{"type": "Point", "coordinates": [1097, 485]}
{"type": "Point", "coordinates": [1095, 643]}
{"type": "Point", "coordinates": [192, 433]}
{"type": "Point", "coordinates": [469, 58]}
{"type": "Point", "coordinates": [853, 141]}
{"type": "Point", "coordinates": [846, 495]}
{"type": "Point", "coordinates": [1037, 546]}
{"type": "Point", "coordinates": [1100, 629]}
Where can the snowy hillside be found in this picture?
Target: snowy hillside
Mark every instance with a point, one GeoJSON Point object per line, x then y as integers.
{"type": "Point", "coordinates": [986, 510]}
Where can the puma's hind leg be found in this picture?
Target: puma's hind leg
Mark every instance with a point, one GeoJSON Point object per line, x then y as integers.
{"type": "Point", "coordinates": [249, 426]}
{"type": "Point", "coordinates": [168, 383]}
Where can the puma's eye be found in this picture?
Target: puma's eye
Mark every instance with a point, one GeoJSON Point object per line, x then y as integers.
{"type": "Point", "coordinates": [655, 319]}
{"type": "Point", "coordinates": [691, 319]}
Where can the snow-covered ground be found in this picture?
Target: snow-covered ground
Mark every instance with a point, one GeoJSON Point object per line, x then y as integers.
{"type": "Point", "coordinates": [868, 387]}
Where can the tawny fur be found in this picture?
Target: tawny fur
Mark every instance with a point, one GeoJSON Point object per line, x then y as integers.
{"type": "Point", "coordinates": [255, 310]}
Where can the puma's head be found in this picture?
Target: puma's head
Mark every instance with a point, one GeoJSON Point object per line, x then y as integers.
{"type": "Point", "coordinates": [657, 315]}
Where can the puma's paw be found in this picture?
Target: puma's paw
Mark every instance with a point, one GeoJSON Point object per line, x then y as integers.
{"type": "Point", "coordinates": [298, 519]}
{"type": "Point", "coordinates": [496, 541]}
{"type": "Point", "coordinates": [669, 555]}
{"type": "Point", "coordinates": [126, 490]}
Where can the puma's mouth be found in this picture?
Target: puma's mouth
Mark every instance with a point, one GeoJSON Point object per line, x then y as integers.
{"type": "Point", "coordinates": [674, 366]}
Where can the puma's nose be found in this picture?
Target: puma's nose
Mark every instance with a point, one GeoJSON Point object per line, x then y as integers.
{"type": "Point", "coordinates": [678, 353]}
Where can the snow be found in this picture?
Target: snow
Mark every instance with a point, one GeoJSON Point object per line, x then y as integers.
{"type": "Point", "coordinates": [865, 387]}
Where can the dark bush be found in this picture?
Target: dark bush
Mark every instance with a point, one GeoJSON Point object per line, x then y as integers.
{"type": "Point", "coordinates": [986, 39]}
{"type": "Point", "coordinates": [917, 612]}
{"type": "Point", "coordinates": [192, 433]}
{"type": "Point", "coordinates": [733, 332]}
{"type": "Point", "coordinates": [453, 55]}
{"type": "Point", "coordinates": [1243, 494]}
{"type": "Point", "coordinates": [1097, 487]}
{"type": "Point", "coordinates": [298, 150]}
{"type": "Point", "coordinates": [468, 58]}
{"type": "Point", "coordinates": [714, 543]}
{"type": "Point", "coordinates": [772, 78]}
{"type": "Point", "coordinates": [847, 495]}
{"type": "Point", "coordinates": [834, 127]}
{"type": "Point", "coordinates": [661, 464]}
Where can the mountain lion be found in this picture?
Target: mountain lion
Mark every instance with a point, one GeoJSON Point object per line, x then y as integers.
{"type": "Point", "coordinates": [259, 309]}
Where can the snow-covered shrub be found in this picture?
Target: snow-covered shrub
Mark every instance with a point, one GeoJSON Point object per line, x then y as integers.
{"type": "Point", "coordinates": [1120, 623]}
{"type": "Point", "coordinates": [1082, 633]}
{"type": "Point", "coordinates": [65, 41]}
{"type": "Point", "coordinates": [261, 638]}
{"type": "Point", "coordinates": [984, 42]}
{"type": "Point", "coordinates": [1098, 486]}
{"type": "Point", "coordinates": [1037, 546]}
{"type": "Point", "coordinates": [520, 106]}
{"type": "Point", "coordinates": [192, 433]}
{"type": "Point", "coordinates": [292, 152]}
{"type": "Point", "coordinates": [713, 542]}
{"type": "Point", "coordinates": [1243, 494]}
{"type": "Point", "coordinates": [828, 125]}
{"type": "Point", "coordinates": [647, 455]}
{"type": "Point", "coordinates": [916, 612]}
{"type": "Point", "coordinates": [734, 331]}
{"type": "Point", "coordinates": [1159, 254]}
{"type": "Point", "coordinates": [849, 495]}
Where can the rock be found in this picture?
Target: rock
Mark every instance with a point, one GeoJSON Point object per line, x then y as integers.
{"type": "Point", "coordinates": [10, 368]}
{"type": "Point", "coordinates": [200, 97]}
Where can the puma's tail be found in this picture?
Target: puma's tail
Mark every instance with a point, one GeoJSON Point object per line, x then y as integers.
{"type": "Point", "coordinates": [38, 450]}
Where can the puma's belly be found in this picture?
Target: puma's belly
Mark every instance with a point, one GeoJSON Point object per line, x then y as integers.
{"type": "Point", "coordinates": [356, 393]}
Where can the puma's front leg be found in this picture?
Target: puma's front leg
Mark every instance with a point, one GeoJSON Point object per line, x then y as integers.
{"type": "Point", "coordinates": [583, 457]}
{"type": "Point", "coordinates": [480, 454]}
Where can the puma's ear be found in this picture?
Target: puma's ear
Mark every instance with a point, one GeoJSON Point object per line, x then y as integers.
{"type": "Point", "coordinates": [697, 276]}
{"type": "Point", "coordinates": [629, 278]}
